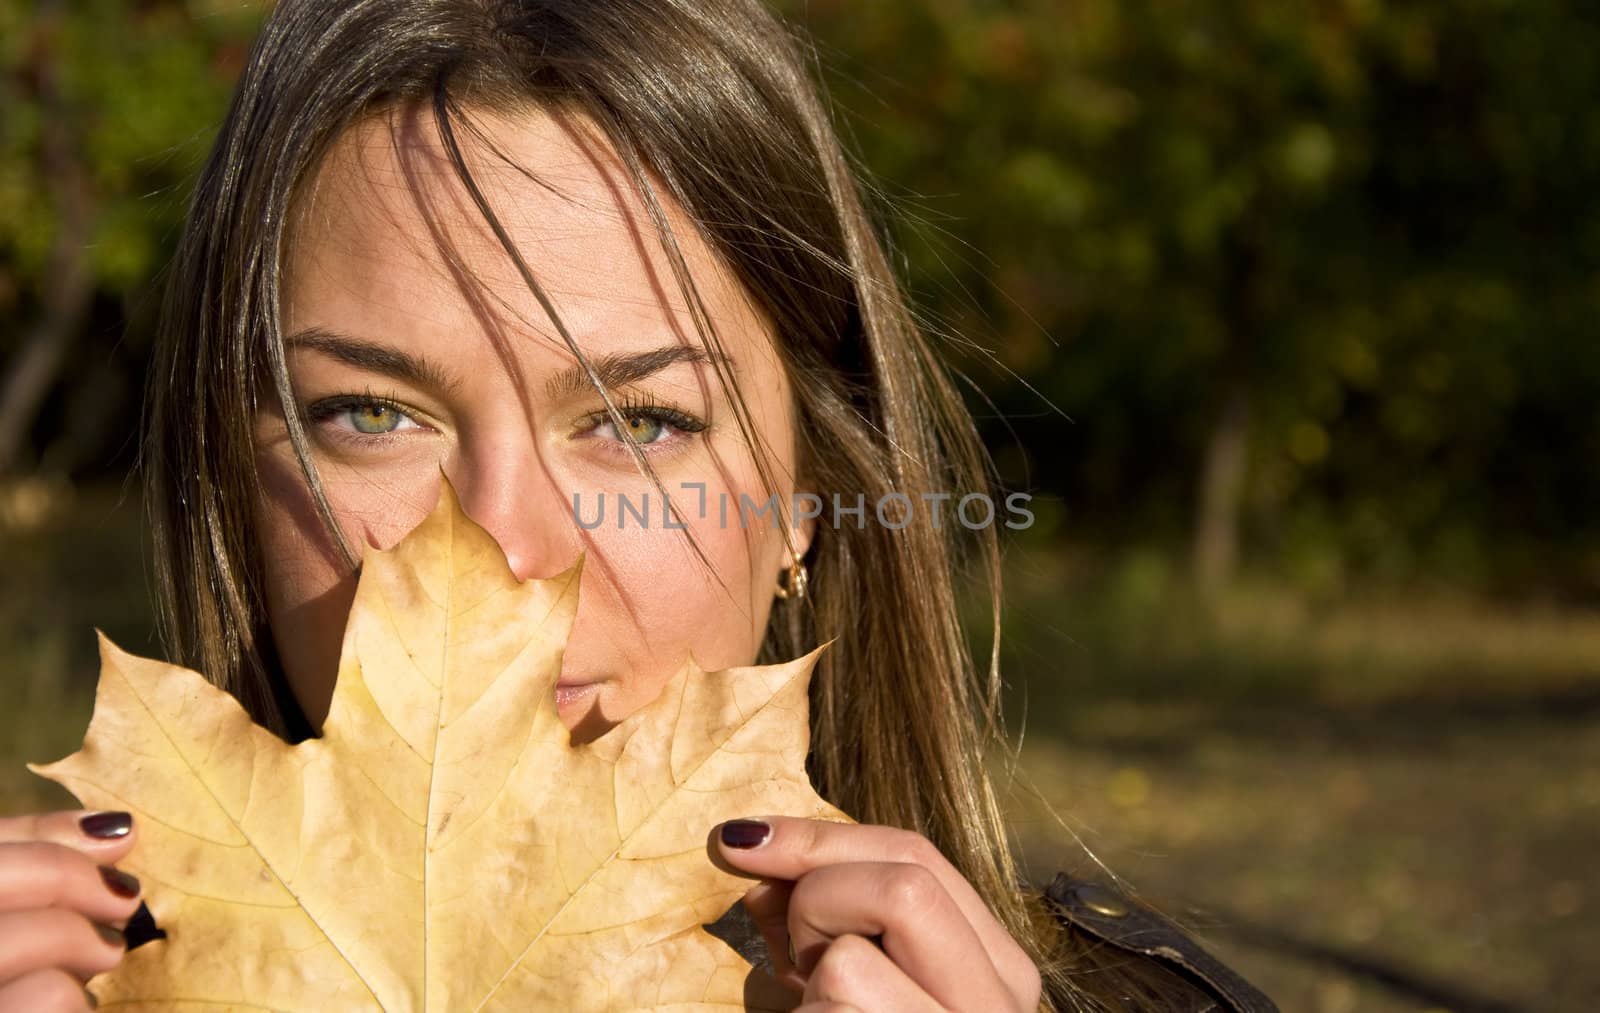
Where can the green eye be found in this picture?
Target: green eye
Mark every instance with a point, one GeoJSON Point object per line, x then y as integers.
{"type": "Point", "coordinates": [351, 415]}
{"type": "Point", "coordinates": [649, 424]}
{"type": "Point", "coordinates": [645, 424]}
{"type": "Point", "coordinates": [644, 429]}
{"type": "Point", "coordinates": [374, 418]}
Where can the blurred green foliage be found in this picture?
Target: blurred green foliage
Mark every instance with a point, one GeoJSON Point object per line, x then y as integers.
{"type": "Point", "coordinates": [1374, 221]}
{"type": "Point", "coordinates": [106, 110]}
{"type": "Point", "coordinates": [1369, 225]}
{"type": "Point", "coordinates": [138, 88]}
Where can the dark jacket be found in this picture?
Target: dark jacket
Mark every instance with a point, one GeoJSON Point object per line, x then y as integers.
{"type": "Point", "coordinates": [1166, 962]}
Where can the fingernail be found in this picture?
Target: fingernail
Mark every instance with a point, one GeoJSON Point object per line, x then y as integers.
{"type": "Point", "coordinates": [119, 882]}
{"type": "Point", "coordinates": [745, 834]}
{"type": "Point", "coordinates": [111, 935]}
{"type": "Point", "coordinates": [107, 826]}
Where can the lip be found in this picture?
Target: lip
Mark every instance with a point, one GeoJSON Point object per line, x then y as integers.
{"type": "Point", "coordinates": [569, 693]}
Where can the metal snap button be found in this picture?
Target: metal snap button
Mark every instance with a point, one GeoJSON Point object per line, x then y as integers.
{"type": "Point", "coordinates": [1101, 901]}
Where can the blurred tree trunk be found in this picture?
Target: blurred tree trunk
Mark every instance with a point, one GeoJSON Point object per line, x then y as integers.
{"type": "Point", "coordinates": [68, 284]}
{"type": "Point", "coordinates": [1222, 477]}
{"type": "Point", "coordinates": [1225, 467]}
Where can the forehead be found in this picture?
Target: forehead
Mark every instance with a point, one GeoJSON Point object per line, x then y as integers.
{"type": "Point", "coordinates": [386, 229]}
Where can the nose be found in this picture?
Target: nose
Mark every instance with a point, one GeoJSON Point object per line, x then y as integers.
{"type": "Point", "coordinates": [511, 492]}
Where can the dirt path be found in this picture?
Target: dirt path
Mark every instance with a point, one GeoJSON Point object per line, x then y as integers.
{"type": "Point", "coordinates": [1449, 848]}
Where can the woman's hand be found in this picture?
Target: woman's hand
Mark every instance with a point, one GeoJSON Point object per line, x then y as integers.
{"type": "Point", "coordinates": [828, 890]}
{"type": "Point", "coordinates": [62, 906]}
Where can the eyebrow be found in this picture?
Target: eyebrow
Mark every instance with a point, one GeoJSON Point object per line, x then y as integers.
{"type": "Point", "coordinates": [614, 369]}
{"type": "Point", "coordinates": [618, 368]}
{"type": "Point", "coordinates": [392, 362]}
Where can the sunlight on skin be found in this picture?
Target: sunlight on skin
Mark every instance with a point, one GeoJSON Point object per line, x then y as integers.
{"type": "Point", "coordinates": [390, 266]}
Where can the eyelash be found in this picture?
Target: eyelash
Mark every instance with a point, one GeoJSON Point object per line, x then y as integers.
{"type": "Point", "coordinates": [631, 406]}
{"type": "Point", "coordinates": [321, 412]}
{"type": "Point", "coordinates": [647, 407]}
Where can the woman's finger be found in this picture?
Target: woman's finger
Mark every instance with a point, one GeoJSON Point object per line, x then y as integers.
{"type": "Point", "coordinates": [47, 990]}
{"type": "Point", "coordinates": [35, 875]}
{"type": "Point", "coordinates": [923, 932]}
{"type": "Point", "coordinates": [780, 847]}
{"type": "Point", "coordinates": [103, 836]}
{"type": "Point", "coordinates": [768, 905]}
{"type": "Point", "coordinates": [55, 937]}
{"type": "Point", "coordinates": [854, 972]}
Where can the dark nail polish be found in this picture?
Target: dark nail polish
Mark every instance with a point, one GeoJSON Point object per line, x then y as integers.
{"type": "Point", "coordinates": [111, 935]}
{"type": "Point", "coordinates": [119, 882]}
{"type": "Point", "coordinates": [107, 826]}
{"type": "Point", "coordinates": [745, 833]}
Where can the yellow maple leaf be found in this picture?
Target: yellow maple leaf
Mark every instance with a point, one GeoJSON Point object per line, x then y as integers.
{"type": "Point", "coordinates": [443, 845]}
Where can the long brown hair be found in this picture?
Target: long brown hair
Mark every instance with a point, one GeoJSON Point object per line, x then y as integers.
{"type": "Point", "coordinates": [709, 105]}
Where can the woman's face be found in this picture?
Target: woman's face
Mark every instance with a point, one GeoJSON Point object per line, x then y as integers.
{"type": "Point", "coordinates": [416, 349]}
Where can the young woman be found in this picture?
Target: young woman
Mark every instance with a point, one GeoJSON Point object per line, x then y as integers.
{"type": "Point", "coordinates": [559, 253]}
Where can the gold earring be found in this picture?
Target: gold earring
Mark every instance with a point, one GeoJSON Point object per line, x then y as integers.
{"type": "Point", "coordinates": [795, 586]}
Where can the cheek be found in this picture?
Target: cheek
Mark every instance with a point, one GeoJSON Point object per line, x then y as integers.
{"type": "Point", "coordinates": [307, 583]}
{"type": "Point", "coordinates": [684, 605]}
{"type": "Point", "coordinates": [302, 559]}
{"type": "Point", "coordinates": [649, 604]}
